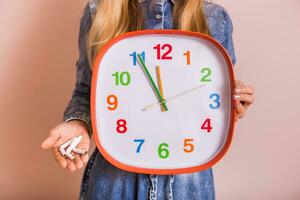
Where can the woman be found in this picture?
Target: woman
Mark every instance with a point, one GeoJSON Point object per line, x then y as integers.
{"type": "Point", "coordinates": [100, 23]}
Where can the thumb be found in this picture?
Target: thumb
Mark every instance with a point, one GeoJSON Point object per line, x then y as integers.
{"type": "Point", "coordinates": [50, 141]}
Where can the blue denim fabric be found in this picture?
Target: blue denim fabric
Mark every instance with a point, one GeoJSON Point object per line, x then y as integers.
{"type": "Point", "coordinates": [159, 15]}
{"type": "Point", "coordinates": [101, 180]}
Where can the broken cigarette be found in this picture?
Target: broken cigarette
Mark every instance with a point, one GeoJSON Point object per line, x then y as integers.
{"type": "Point", "coordinates": [71, 146]}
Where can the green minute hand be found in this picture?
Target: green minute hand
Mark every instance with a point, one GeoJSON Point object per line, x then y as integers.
{"type": "Point", "coordinates": [141, 61]}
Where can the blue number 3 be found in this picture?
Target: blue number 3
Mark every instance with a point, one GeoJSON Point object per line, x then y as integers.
{"type": "Point", "coordinates": [216, 97]}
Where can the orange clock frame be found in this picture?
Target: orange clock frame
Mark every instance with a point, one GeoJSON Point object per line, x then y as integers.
{"type": "Point", "coordinates": [232, 123]}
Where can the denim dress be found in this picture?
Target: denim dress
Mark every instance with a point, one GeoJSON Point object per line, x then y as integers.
{"type": "Point", "coordinates": [101, 180]}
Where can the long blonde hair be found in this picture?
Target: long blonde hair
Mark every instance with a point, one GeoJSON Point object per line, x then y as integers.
{"type": "Point", "coordinates": [114, 17]}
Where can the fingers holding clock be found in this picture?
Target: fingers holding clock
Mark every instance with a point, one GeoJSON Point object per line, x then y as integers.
{"type": "Point", "coordinates": [246, 99]}
{"type": "Point", "coordinates": [243, 93]}
{"type": "Point", "coordinates": [240, 109]}
{"type": "Point", "coordinates": [240, 88]}
{"type": "Point", "coordinates": [244, 96]}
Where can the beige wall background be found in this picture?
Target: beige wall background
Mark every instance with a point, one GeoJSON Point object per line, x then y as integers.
{"type": "Point", "coordinates": [38, 41]}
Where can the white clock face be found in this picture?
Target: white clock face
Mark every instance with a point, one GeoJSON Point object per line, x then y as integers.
{"type": "Point", "coordinates": [133, 130]}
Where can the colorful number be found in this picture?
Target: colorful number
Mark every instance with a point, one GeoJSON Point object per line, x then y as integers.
{"type": "Point", "coordinates": [112, 101]}
{"type": "Point", "coordinates": [166, 55]}
{"type": "Point", "coordinates": [188, 57]}
{"type": "Point", "coordinates": [122, 78]}
{"type": "Point", "coordinates": [163, 151]}
{"type": "Point", "coordinates": [216, 98]}
{"type": "Point", "coordinates": [188, 145]}
{"type": "Point", "coordinates": [134, 55]}
{"type": "Point", "coordinates": [206, 72]}
{"type": "Point", "coordinates": [207, 125]}
{"type": "Point", "coordinates": [141, 142]}
{"type": "Point", "coordinates": [121, 126]}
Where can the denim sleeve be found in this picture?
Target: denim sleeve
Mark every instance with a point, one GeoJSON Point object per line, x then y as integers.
{"type": "Point", "coordinates": [220, 26]}
{"type": "Point", "coordinates": [79, 106]}
{"type": "Point", "coordinates": [227, 40]}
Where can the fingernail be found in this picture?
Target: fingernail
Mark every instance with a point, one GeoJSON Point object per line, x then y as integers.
{"type": "Point", "coordinates": [237, 96]}
{"type": "Point", "coordinates": [238, 90]}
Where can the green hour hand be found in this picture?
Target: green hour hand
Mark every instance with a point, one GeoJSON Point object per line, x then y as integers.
{"type": "Point", "coordinates": [152, 83]}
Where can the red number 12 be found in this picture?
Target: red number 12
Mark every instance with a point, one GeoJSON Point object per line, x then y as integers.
{"type": "Point", "coordinates": [166, 55]}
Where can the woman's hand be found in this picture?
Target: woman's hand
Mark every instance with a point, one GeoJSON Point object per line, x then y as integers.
{"type": "Point", "coordinates": [243, 94]}
{"type": "Point", "coordinates": [62, 133]}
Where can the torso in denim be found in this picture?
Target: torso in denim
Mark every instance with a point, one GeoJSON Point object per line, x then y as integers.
{"type": "Point", "coordinates": [103, 181]}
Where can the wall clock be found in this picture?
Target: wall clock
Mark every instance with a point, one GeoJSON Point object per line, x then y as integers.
{"type": "Point", "coordinates": [162, 101]}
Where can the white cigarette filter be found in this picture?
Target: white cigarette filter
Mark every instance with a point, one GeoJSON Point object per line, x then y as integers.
{"type": "Point", "coordinates": [79, 151]}
{"type": "Point", "coordinates": [71, 146]}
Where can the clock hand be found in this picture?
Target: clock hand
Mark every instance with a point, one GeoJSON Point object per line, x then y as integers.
{"type": "Point", "coordinates": [160, 87]}
{"type": "Point", "coordinates": [173, 97]}
{"type": "Point", "coordinates": [152, 83]}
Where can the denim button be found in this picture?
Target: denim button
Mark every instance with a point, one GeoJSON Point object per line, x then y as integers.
{"type": "Point", "coordinates": [158, 16]}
